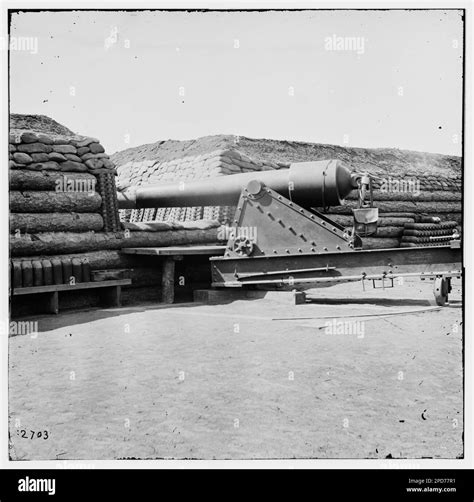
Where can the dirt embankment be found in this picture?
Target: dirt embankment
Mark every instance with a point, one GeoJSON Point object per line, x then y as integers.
{"type": "Point", "coordinates": [389, 161]}
{"type": "Point", "coordinates": [384, 161]}
{"type": "Point", "coordinates": [39, 123]}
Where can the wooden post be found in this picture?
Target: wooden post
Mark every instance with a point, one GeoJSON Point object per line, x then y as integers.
{"type": "Point", "coordinates": [52, 302]}
{"type": "Point", "coordinates": [167, 280]}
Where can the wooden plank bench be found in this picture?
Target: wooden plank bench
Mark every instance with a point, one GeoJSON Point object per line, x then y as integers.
{"type": "Point", "coordinates": [111, 292]}
{"type": "Point", "coordinates": [172, 254]}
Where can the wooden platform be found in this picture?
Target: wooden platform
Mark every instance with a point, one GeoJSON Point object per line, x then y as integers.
{"type": "Point", "coordinates": [110, 295]}
{"type": "Point", "coordinates": [171, 255]}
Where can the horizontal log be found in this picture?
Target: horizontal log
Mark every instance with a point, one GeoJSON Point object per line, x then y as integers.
{"type": "Point", "coordinates": [403, 206]}
{"type": "Point", "coordinates": [172, 238]}
{"type": "Point", "coordinates": [421, 196]}
{"type": "Point", "coordinates": [348, 221]}
{"type": "Point", "coordinates": [457, 217]}
{"type": "Point", "coordinates": [55, 222]}
{"type": "Point", "coordinates": [393, 222]}
{"type": "Point", "coordinates": [70, 242]}
{"type": "Point", "coordinates": [394, 219]}
{"type": "Point", "coordinates": [391, 214]}
{"type": "Point", "coordinates": [56, 181]}
{"type": "Point", "coordinates": [389, 231]}
{"type": "Point", "coordinates": [382, 214]}
{"type": "Point", "coordinates": [379, 243]}
{"type": "Point", "coordinates": [54, 202]}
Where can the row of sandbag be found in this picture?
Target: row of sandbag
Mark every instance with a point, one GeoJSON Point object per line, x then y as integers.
{"type": "Point", "coordinates": [45, 271]}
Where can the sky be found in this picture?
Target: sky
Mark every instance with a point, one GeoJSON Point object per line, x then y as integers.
{"type": "Point", "coordinates": [370, 79]}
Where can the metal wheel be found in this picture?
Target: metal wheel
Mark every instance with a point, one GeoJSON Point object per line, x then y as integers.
{"type": "Point", "coordinates": [441, 290]}
{"type": "Point", "coordinates": [243, 246]}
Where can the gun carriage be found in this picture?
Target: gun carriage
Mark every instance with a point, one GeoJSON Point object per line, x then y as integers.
{"type": "Point", "coordinates": [282, 238]}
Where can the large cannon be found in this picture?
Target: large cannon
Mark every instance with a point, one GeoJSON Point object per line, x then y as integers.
{"type": "Point", "coordinates": [279, 239]}
{"type": "Point", "coordinates": [309, 184]}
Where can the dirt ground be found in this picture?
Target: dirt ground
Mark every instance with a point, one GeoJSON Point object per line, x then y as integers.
{"type": "Point", "coordinates": [230, 381]}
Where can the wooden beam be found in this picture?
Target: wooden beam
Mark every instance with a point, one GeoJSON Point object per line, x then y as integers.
{"type": "Point", "coordinates": [177, 250]}
{"type": "Point", "coordinates": [70, 287]}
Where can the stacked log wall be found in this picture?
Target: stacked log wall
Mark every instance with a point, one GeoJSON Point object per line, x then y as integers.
{"type": "Point", "coordinates": [407, 199]}
{"type": "Point", "coordinates": [63, 206]}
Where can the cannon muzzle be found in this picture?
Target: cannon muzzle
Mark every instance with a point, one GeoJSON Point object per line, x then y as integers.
{"type": "Point", "coordinates": [310, 184]}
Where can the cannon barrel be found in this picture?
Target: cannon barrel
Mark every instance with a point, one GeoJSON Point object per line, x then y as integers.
{"type": "Point", "coordinates": [309, 184]}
